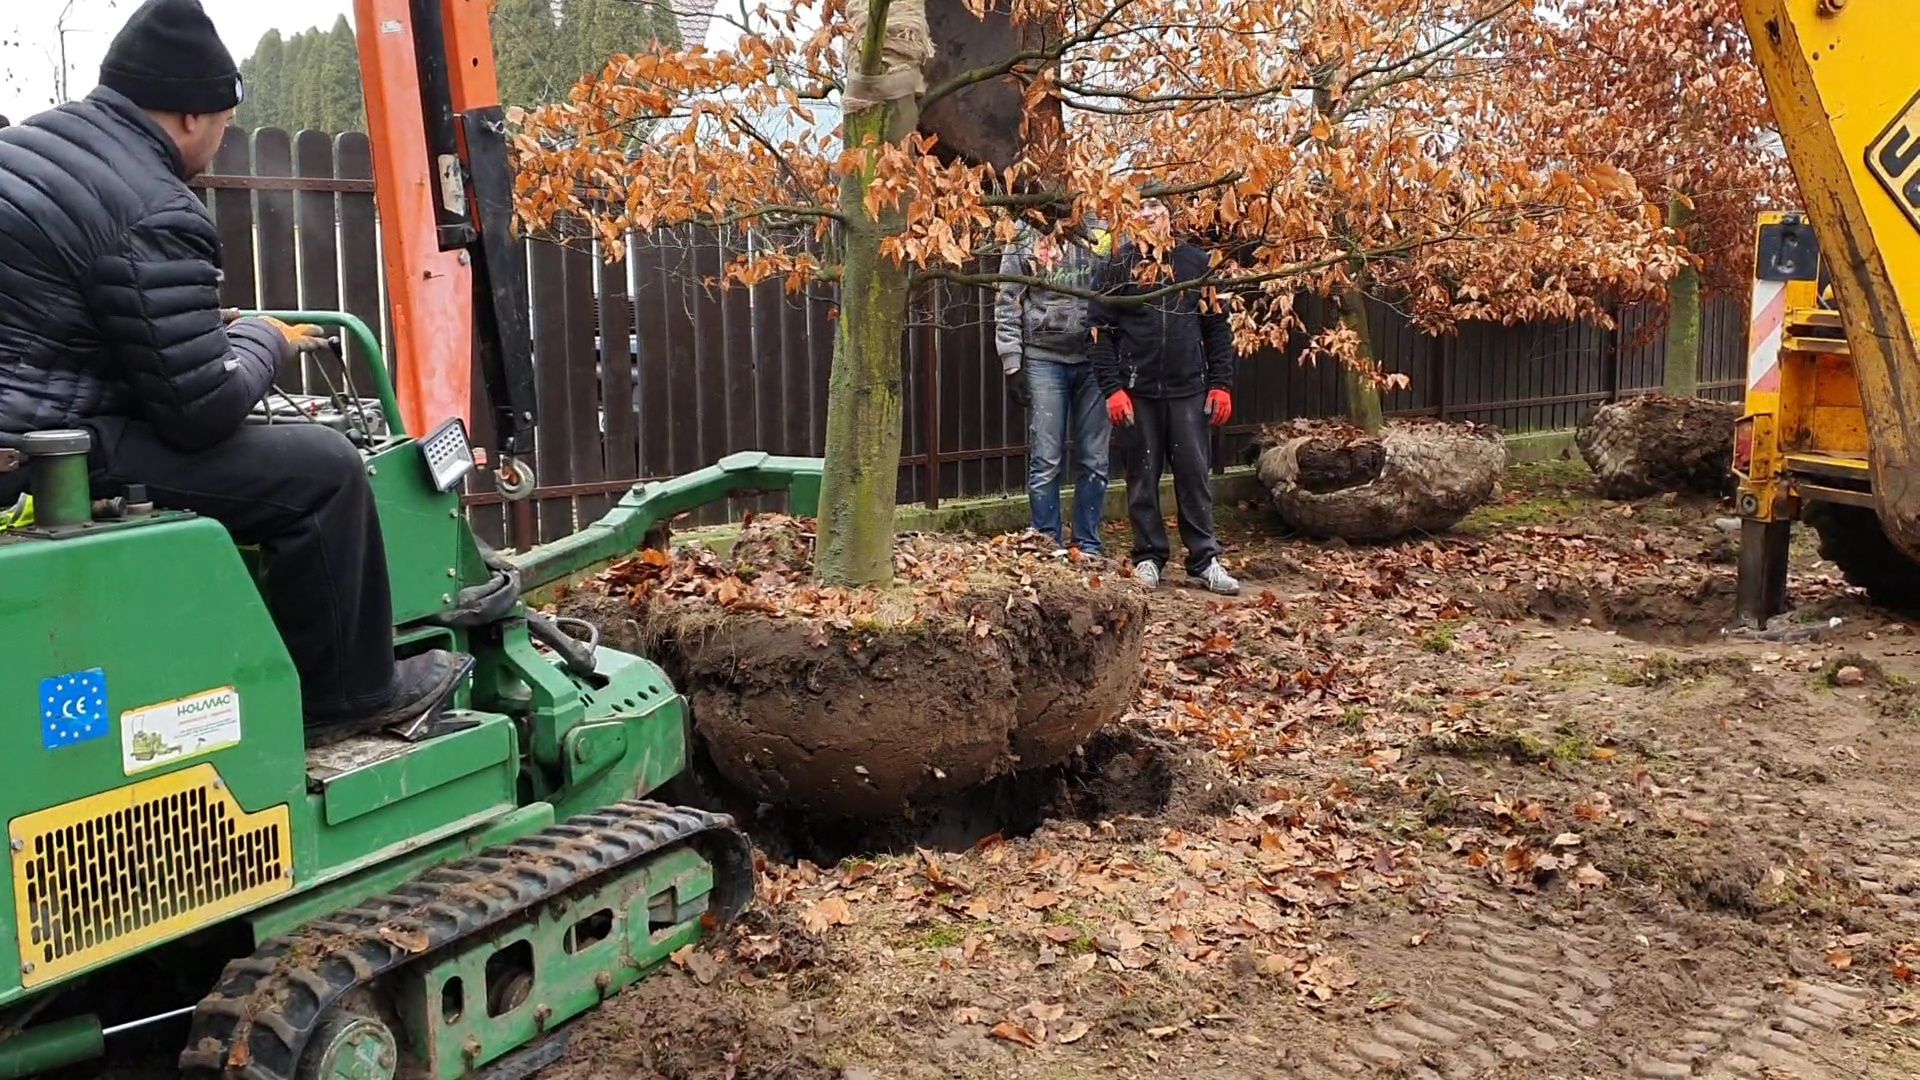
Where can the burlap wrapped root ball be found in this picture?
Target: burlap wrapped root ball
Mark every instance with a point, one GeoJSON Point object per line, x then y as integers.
{"type": "Point", "coordinates": [1331, 480]}
{"type": "Point", "coordinates": [1655, 444]}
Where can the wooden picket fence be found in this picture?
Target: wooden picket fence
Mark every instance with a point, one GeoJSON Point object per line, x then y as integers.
{"type": "Point", "coordinates": [644, 372]}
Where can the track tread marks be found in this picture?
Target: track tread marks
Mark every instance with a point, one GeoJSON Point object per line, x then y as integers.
{"type": "Point", "coordinates": [1746, 1037]}
{"type": "Point", "coordinates": [269, 1003]}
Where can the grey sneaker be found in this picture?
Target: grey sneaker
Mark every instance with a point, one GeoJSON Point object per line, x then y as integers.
{"type": "Point", "coordinates": [1147, 574]}
{"type": "Point", "coordinates": [1218, 580]}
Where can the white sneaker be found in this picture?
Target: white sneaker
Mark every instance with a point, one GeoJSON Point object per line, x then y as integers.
{"type": "Point", "coordinates": [1147, 574]}
{"type": "Point", "coordinates": [1218, 580]}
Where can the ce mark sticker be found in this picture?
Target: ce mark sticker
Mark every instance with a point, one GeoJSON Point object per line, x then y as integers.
{"type": "Point", "coordinates": [1894, 159]}
{"type": "Point", "coordinates": [73, 709]}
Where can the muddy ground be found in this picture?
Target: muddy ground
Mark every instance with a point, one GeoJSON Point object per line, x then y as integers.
{"type": "Point", "coordinates": [1503, 804]}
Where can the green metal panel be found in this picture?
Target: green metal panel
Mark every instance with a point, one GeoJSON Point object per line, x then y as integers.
{"type": "Point", "coordinates": [420, 768]}
{"type": "Point", "coordinates": [162, 612]}
{"type": "Point", "coordinates": [637, 697]}
{"type": "Point", "coordinates": [423, 530]}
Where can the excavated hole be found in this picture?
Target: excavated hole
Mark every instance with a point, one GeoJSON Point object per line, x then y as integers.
{"type": "Point", "coordinates": [1120, 777]}
{"type": "Point", "coordinates": [1653, 613]}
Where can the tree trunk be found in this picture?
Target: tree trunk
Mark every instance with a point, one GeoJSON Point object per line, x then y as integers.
{"type": "Point", "coordinates": [854, 545]}
{"type": "Point", "coordinates": [1683, 324]}
{"type": "Point", "coordinates": [1363, 393]}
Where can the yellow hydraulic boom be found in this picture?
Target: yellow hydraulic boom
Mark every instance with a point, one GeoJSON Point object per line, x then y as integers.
{"type": "Point", "coordinates": [1832, 424]}
{"type": "Point", "coordinates": [1846, 90]}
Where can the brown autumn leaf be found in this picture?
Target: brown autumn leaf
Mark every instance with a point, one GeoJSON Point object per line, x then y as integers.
{"type": "Point", "coordinates": [968, 1014]}
{"type": "Point", "coordinates": [1073, 1033]}
{"type": "Point", "coordinates": [832, 911]}
{"type": "Point", "coordinates": [703, 967]}
{"type": "Point", "coordinates": [1042, 900]}
{"type": "Point", "coordinates": [1839, 959]}
{"type": "Point", "coordinates": [412, 941]}
{"type": "Point", "coordinates": [1014, 1033]}
{"type": "Point", "coordinates": [1046, 1013]}
{"type": "Point", "coordinates": [1060, 935]}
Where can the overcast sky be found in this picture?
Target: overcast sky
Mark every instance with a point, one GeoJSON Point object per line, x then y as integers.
{"type": "Point", "coordinates": [30, 40]}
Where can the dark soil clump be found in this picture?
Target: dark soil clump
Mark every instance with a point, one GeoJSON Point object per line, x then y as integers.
{"type": "Point", "coordinates": [982, 662]}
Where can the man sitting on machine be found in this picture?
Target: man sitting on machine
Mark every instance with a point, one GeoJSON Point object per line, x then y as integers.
{"type": "Point", "coordinates": [110, 321]}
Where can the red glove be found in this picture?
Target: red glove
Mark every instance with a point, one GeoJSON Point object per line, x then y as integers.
{"type": "Point", "coordinates": [1120, 409]}
{"type": "Point", "coordinates": [1219, 407]}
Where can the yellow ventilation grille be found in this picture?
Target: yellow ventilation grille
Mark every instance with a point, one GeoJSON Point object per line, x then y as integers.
{"type": "Point", "coordinates": [104, 876]}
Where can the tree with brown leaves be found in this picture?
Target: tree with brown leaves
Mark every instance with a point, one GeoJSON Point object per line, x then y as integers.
{"type": "Point", "coordinates": [1347, 147]}
{"type": "Point", "coordinates": [1668, 91]}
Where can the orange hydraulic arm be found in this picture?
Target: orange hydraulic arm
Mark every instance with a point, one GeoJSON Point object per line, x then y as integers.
{"type": "Point", "coordinates": [456, 284]}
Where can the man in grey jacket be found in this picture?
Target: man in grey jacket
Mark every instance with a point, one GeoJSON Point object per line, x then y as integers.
{"type": "Point", "coordinates": [1042, 338]}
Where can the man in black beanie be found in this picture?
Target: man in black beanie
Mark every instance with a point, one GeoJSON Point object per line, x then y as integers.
{"type": "Point", "coordinates": [110, 321]}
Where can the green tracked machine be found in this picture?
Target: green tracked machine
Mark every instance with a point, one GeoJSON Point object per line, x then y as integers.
{"type": "Point", "coordinates": [427, 901]}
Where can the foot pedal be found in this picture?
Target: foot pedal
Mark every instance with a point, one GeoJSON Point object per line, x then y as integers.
{"type": "Point", "coordinates": [434, 721]}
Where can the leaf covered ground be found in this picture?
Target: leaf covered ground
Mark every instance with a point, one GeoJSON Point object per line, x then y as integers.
{"type": "Point", "coordinates": [1500, 804]}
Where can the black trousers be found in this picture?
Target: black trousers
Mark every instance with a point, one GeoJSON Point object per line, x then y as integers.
{"type": "Point", "coordinates": [300, 492]}
{"type": "Point", "coordinates": [1170, 431]}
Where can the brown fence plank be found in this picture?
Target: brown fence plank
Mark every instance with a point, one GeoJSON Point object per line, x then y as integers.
{"type": "Point", "coordinates": [683, 402]}
{"type": "Point", "coordinates": [586, 439]}
{"type": "Point", "coordinates": [618, 357]}
{"type": "Point", "coordinates": [744, 371]}
{"type": "Point", "coordinates": [553, 431]}
{"type": "Point", "coordinates": [652, 418]}
{"type": "Point", "coordinates": [274, 238]}
{"type": "Point", "coordinates": [314, 219]}
{"type": "Point", "coordinates": [233, 218]}
{"type": "Point", "coordinates": [776, 400]}
{"type": "Point", "coordinates": [359, 250]}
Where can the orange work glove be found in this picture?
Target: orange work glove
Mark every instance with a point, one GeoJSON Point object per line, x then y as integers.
{"type": "Point", "coordinates": [302, 336]}
{"type": "Point", "coordinates": [1120, 409]}
{"type": "Point", "coordinates": [1219, 407]}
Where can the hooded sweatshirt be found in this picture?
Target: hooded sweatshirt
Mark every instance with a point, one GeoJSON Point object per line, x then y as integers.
{"type": "Point", "coordinates": [1038, 322]}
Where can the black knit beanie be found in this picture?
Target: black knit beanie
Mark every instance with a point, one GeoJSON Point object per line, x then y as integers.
{"type": "Point", "coordinates": [169, 59]}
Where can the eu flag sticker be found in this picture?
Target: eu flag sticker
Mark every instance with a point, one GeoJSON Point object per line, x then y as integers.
{"type": "Point", "coordinates": [73, 709]}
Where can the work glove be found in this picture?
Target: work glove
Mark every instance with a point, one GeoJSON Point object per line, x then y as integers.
{"type": "Point", "coordinates": [302, 337]}
{"type": "Point", "coordinates": [1120, 408]}
{"type": "Point", "coordinates": [1017, 389]}
{"type": "Point", "coordinates": [1219, 407]}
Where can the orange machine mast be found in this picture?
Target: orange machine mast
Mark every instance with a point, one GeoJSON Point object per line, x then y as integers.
{"type": "Point", "coordinates": [455, 280]}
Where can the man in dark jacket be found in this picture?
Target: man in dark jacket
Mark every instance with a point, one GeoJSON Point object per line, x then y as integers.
{"type": "Point", "coordinates": [110, 322]}
{"type": "Point", "coordinates": [1166, 368]}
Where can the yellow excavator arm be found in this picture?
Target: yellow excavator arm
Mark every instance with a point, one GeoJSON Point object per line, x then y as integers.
{"type": "Point", "coordinates": [1845, 86]}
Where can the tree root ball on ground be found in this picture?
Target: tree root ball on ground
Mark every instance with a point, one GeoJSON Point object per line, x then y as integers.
{"type": "Point", "coordinates": [1655, 444]}
{"type": "Point", "coordinates": [1333, 480]}
{"type": "Point", "coordinates": [984, 657]}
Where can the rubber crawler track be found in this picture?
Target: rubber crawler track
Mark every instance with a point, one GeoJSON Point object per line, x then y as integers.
{"type": "Point", "coordinates": [256, 1021]}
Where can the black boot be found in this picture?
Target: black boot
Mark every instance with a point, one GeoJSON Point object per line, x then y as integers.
{"type": "Point", "coordinates": [421, 684]}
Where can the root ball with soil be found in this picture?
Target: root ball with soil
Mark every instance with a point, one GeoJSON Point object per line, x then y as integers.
{"type": "Point", "coordinates": [1331, 480]}
{"type": "Point", "coordinates": [984, 658]}
{"type": "Point", "coordinates": [1655, 444]}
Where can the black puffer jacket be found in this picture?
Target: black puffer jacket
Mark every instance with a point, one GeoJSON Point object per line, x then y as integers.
{"type": "Point", "coordinates": [109, 284]}
{"type": "Point", "coordinates": [1165, 348]}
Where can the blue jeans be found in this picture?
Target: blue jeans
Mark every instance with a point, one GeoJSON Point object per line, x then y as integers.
{"type": "Point", "coordinates": [1066, 395]}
